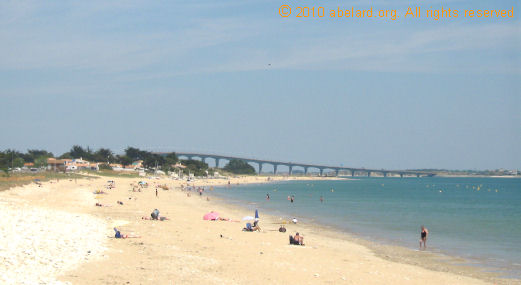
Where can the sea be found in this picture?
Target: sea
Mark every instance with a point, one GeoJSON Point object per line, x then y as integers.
{"type": "Point", "coordinates": [476, 219]}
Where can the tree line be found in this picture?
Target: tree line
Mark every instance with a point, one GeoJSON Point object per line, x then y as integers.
{"type": "Point", "coordinates": [11, 159]}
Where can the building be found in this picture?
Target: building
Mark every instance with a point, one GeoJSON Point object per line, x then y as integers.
{"type": "Point", "coordinates": [68, 164]}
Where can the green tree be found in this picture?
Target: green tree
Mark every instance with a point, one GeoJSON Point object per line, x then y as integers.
{"type": "Point", "coordinates": [104, 154]}
{"type": "Point", "coordinates": [33, 154]}
{"type": "Point", "coordinates": [198, 168]}
{"type": "Point", "coordinates": [4, 162]}
{"type": "Point", "coordinates": [239, 167]}
{"type": "Point", "coordinates": [40, 161]}
{"type": "Point", "coordinates": [124, 160]}
{"type": "Point", "coordinates": [135, 153]}
{"type": "Point", "coordinates": [18, 162]}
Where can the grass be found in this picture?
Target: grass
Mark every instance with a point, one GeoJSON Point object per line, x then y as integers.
{"type": "Point", "coordinates": [112, 173]}
{"type": "Point", "coordinates": [20, 179]}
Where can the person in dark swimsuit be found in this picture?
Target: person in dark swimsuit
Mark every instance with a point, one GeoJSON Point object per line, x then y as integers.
{"type": "Point", "coordinates": [423, 237]}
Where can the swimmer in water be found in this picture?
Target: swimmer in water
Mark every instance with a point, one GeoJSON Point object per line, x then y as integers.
{"type": "Point", "coordinates": [423, 237]}
{"type": "Point", "coordinates": [321, 199]}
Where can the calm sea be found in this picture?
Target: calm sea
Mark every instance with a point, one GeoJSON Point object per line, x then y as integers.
{"type": "Point", "coordinates": [478, 219]}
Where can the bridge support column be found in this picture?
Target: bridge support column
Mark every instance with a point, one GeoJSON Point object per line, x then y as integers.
{"type": "Point", "coordinates": [321, 171]}
{"type": "Point", "coordinates": [336, 172]}
{"type": "Point", "coordinates": [274, 169]}
{"type": "Point", "coordinates": [305, 170]}
{"type": "Point", "coordinates": [353, 173]}
{"type": "Point", "coordinates": [189, 157]}
{"type": "Point", "coordinates": [203, 159]}
{"type": "Point", "coordinates": [217, 162]}
{"type": "Point", "coordinates": [290, 169]}
{"type": "Point", "coordinates": [418, 175]}
{"type": "Point", "coordinates": [260, 168]}
{"type": "Point", "coordinates": [368, 173]}
{"type": "Point", "coordinates": [385, 174]}
{"type": "Point", "coordinates": [401, 175]}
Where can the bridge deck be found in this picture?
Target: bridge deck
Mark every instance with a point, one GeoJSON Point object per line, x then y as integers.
{"type": "Point", "coordinates": [303, 165]}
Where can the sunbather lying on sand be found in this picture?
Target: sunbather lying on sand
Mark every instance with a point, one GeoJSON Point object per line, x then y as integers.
{"type": "Point", "coordinates": [101, 205]}
{"type": "Point", "coordinates": [120, 235]}
{"type": "Point", "coordinates": [296, 240]}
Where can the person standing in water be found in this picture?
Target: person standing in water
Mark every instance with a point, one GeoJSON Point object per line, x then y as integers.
{"type": "Point", "coordinates": [321, 199]}
{"type": "Point", "coordinates": [268, 196]}
{"type": "Point", "coordinates": [423, 237]}
{"type": "Point", "coordinates": [292, 198]}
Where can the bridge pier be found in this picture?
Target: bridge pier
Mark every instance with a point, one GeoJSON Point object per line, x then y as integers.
{"type": "Point", "coordinates": [368, 173]}
{"type": "Point", "coordinates": [401, 175]}
{"type": "Point", "coordinates": [260, 168]}
{"type": "Point", "coordinates": [290, 169]}
{"type": "Point", "coordinates": [274, 169]}
{"type": "Point", "coordinates": [203, 159]}
{"type": "Point", "coordinates": [384, 174]}
{"type": "Point", "coordinates": [336, 172]}
{"type": "Point", "coordinates": [217, 160]}
{"type": "Point", "coordinates": [305, 170]}
{"type": "Point", "coordinates": [418, 175]}
{"type": "Point", "coordinates": [321, 171]}
{"type": "Point", "coordinates": [353, 173]}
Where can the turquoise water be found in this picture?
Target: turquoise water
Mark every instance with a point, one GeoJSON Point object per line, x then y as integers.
{"type": "Point", "coordinates": [478, 219]}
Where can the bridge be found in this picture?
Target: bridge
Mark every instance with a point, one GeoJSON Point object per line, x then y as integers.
{"type": "Point", "coordinates": [305, 167]}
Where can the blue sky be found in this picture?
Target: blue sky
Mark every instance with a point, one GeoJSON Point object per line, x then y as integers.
{"type": "Point", "coordinates": [236, 78]}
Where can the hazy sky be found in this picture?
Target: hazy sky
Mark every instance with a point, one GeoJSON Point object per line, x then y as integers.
{"type": "Point", "coordinates": [233, 77]}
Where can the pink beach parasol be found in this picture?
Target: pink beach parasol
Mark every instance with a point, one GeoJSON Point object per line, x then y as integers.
{"type": "Point", "coordinates": [212, 216]}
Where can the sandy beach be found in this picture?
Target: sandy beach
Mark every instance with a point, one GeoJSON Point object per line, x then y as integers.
{"type": "Point", "coordinates": [58, 235]}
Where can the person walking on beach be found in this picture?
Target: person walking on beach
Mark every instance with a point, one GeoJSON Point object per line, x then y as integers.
{"type": "Point", "coordinates": [156, 192]}
{"type": "Point", "coordinates": [423, 237]}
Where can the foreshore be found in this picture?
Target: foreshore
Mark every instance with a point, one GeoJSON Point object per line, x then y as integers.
{"type": "Point", "coordinates": [72, 241]}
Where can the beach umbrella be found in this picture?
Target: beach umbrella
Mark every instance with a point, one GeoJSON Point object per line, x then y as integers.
{"type": "Point", "coordinates": [247, 218]}
{"type": "Point", "coordinates": [256, 214]}
{"type": "Point", "coordinates": [211, 216]}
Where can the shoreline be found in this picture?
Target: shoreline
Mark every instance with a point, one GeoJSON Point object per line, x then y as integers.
{"type": "Point", "coordinates": [436, 261]}
{"type": "Point", "coordinates": [193, 249]}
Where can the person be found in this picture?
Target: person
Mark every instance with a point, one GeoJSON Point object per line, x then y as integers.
{"type": "Point", "coordinates": [118, 234]}
{"type": "Point", "coordinates": [268, 196]}
{"type": "Point", "coordinates": [423, 237]}
{"type": "Point", "coordinates": [296, 240]}
{"type": "Point", "coordinates": [155, 214]}
{"type": "Point", "coordinates": [321, 199]}
{"type": "Point", "coordinates": [160, 218]}
{"type": "Point", "coordinates": [156, 192]}
{"type": "Point", "coordinates": [250, 228]}
{"type": "Point", "coordinates": [256, 226]}
{"type": "Point", "coordinates": [292, 198]}
{"type": "Point", "coordinates": [294, 220]}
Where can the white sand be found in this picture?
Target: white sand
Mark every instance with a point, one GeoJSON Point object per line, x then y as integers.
{"type": "Point", "coordinates": [38, 244]}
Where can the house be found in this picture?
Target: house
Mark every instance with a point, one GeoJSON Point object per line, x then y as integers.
{"type": "Point", "coordinates": [56, 164]}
